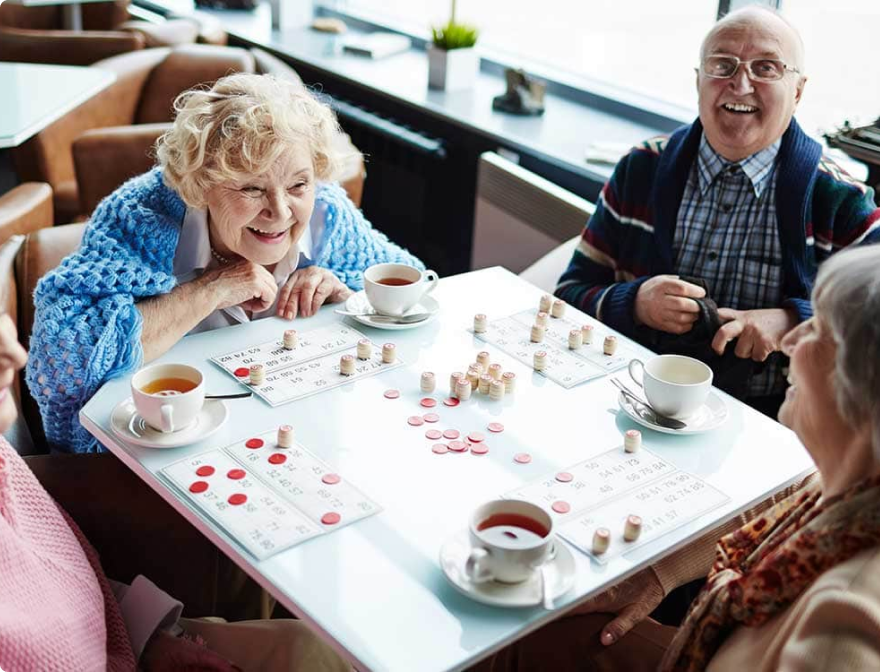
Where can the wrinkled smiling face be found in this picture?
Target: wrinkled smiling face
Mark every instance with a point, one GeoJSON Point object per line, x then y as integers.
{"type": "Point", "coordinates": [739, 116]}
{"type": "Point", "coordinates": [259, 218]}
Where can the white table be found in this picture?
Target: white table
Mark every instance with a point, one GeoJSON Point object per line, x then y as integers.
{"type": "Point", "coordinates": [375, 589]}
{"type": "Point", "coordinates": [36, 95]}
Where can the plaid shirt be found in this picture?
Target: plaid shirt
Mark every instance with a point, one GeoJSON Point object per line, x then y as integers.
{"type": "Point", "coordinates": [727, 234]}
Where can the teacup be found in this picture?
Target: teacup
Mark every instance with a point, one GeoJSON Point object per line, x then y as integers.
{"type": "Point", "coordinates": [509, 539]}
{"type": "Point", "coordinates": [392, 289]}
{"type": "Point", "coordinates": [675, 385]}
{"type": "Point", "coordinates": [168, 397]}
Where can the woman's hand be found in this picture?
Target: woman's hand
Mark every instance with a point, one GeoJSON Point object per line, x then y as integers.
{"type": "Point", "coordinates": [307, 289]}
{"type": "Point", "coordinates": [241, 283]}
{"type": "Point", "coordinates": [164, 651]}
{"type": "Point", "coordinates": [632, 600]}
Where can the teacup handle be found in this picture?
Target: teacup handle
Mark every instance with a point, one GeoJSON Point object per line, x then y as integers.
{"type": "Point", "coordinates": [166, 413]}
{"type": "Point", "coordinates": [637, 364]}
{"type": "Point", "coordinates": [475, 568]}
{"type": "Point", "coordinates": [432, 279]}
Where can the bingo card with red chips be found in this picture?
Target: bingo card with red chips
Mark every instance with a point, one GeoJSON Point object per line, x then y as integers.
{"type": "Point", "coordinates": [602, 491]}
{"type": "Point", "coordinates": [564, 366]}
{"type": "Point", "coordinates": [311, 366]}
{"type": "Point", "coordinates": [268, 498]}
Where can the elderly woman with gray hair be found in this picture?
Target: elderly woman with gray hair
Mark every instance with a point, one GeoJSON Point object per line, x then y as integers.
{"type": "Point", "coordinates": [240, 220]}
{"type": "Point", "coordinates": [798, 586]}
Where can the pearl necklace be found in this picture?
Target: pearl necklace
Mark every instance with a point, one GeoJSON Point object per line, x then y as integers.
{"type": "Point", "coordinates": [219, 257]}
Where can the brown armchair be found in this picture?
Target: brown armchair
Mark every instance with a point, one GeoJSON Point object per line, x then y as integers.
{"type": "Point", "coordinates": [146, 84]}
{"type": "Point", "coordinates": [36, 35]}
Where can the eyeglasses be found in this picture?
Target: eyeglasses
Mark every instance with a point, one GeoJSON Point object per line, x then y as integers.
{"type": "Point", "coordinates": [757, 69]}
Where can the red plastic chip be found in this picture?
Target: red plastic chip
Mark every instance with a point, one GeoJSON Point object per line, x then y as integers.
{"type": "Point", "coordinates": [237, 498]}
{"type": "Point", "coordinates": [476, 437]}
{"type": "Point", "coordinates": [236, 474]}
{"type": "Point", "coordinates": [564, 477]}
{"type": "Point", "coordinates": [391, 394]}
{"type": "Point", "coordinates": [458, 446]}
{"type": "Point", "coordinates": [197, 487]}
{"type": "Point", "coordinates": [277, 458]}
{"type": "Point", "coordinates": [428, 402]}
{"type": "Point", "coordinates": [415, 420]}
{"type": "Point", "coordinates": [205, 471]}
{"type": "Point", "coordinates": [479, 449]}
{"type": "Point", "coordinates": [439, 448]}
{"type": "Point", "coordinates": [433, 434]}
{"type": "Point", "coordinates": [522, 458]}
{"type": "Point", "coordinates": [561, 507]}
{"type": "Point", "coordinates": [451, 401]}
{"type": "Point", "coordinates": [331, 479]}
{"type": "Point", "coordinates": [242, 372]}
{"type": "Point", "coordinates": [254, 443]}
{"type": "Point", "coordinates": [331, 518]}
{"type": "Point", "coordinates": [431, 417]}
{"type": "Point", "coordinates": [495, 427]}
{"type": "Point", "coordinates": [451, 434]}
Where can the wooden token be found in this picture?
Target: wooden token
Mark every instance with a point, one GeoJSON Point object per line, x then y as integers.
{"type": "Point", "coordinates": [601, 540]}
{"type": "Point", "coordinates": [633, 528]}
{"type": "Point", "coordinates": [558, 309]}
{"type": "Point", "coordinates": [480, 323]}
{"type": "Point", "coordinates": [545, 305]}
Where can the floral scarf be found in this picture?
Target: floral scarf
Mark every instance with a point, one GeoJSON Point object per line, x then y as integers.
{"type": "Point", "coordinates": [763, 567]}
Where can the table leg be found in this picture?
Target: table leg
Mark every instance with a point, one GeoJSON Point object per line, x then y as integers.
{"type": "Point", "coordinates": [72, 16]}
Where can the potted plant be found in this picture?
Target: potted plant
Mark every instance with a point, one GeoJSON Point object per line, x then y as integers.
{"type": "Point", "coordinates": [453, 63]}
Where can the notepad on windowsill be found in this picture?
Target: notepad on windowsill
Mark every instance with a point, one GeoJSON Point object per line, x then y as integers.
{"type": "Point", "coordinates": [377, 45]}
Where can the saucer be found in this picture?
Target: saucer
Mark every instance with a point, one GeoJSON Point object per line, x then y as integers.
{"type": "Point", "coordinates": [131, 428]}
{"type": "Point", "coordinates": [709, 416]}
{"type": "Point", "coordinates": [560, 571]}
{"type": "Point", "coordinates": [357, 303]}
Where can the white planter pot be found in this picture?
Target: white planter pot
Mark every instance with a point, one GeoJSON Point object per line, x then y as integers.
{"type": "Point", "coordinates": [453, 69]}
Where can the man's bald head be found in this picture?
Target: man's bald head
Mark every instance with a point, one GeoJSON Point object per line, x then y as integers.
{"type": "Point", "coordinates": [761, 15]}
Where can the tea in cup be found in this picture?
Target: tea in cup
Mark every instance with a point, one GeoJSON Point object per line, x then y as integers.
{"type": "Point", "coordinates": [392, 289]}
{"type": "Point", "coordinates": [675, 385]}
{"type": "Point", "coordinates": [509, 539]}
{"type": "Point", "coordinates": [168, 397]}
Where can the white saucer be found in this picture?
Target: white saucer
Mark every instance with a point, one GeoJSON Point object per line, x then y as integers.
{"type": "Point", "coordinates": [132, 428]}
{"type": "Point", "coordinates": [709, 416]}
{"type": "Point", "coordinates": [560, 570]}
{"type": "Point", "coordinates": [357, 303]}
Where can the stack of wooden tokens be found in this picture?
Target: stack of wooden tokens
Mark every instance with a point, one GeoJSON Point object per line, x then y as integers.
{"type": "Point", "coordinates": [285, 436]}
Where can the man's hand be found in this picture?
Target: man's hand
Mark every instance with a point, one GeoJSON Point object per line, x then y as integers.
{"type": "Point", "coordinates": [759, 332]}
{"type": "Point", "coordinates": [307, 289]}
{"type": "Point", "coordinates": [632, 600]}
{"type": "Point", "coordinates": [664, 303]}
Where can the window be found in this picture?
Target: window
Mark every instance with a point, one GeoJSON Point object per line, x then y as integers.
{"type": "Point", "coordinates": [651, 47]}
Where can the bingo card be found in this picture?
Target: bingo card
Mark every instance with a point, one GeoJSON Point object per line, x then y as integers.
{"type": "Point", "coordinates": [268, 498]}
{"type": "Point", "coordinates": [604, 490]}
{"type": "Point", "coordinates": [310, 367]}
{"type": "Point", "coordinates": [564, 366]}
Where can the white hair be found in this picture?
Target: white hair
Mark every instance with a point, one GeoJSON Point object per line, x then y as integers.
{"type": "Point", "coordinates": [847, 299]}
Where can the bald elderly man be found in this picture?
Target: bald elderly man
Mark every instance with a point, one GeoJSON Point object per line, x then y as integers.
{"type": "Point", "coordinates": [741, 199]}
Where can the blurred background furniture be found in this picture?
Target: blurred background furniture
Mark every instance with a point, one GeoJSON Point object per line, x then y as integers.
{"type": "Point", "coordinates": [34, 31]}
{"type": "Point", "coordinates": [129, 115]}
{"type": "Point", "coordinates": [861, 143]}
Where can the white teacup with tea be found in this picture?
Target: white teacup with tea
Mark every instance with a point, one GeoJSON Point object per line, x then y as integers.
{"type": "Point", "coordinates": [676, 386]}
{"type": "Point", "coordinates": [510, 539]}
{"type": "Point", "coordinates": [168, 397]}
{"type": "Point", "coordinates": [392, 289]}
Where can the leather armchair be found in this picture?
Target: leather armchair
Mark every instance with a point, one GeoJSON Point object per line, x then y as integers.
{"type": "Point", "coordinates": [35, 34]}
{"type": "Point", "coordinates": [147, 82]}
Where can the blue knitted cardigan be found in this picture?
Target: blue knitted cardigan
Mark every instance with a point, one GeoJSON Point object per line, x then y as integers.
{"type": "Point", "coordinates": [87, 328]}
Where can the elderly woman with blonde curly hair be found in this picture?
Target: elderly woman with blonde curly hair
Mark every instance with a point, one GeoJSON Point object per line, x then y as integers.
{"type": "Point", "coordinates": [239, 220]}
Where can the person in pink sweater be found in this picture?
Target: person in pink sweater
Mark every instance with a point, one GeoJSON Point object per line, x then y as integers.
{"type": "Point", "coordinates": [58, 611]}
